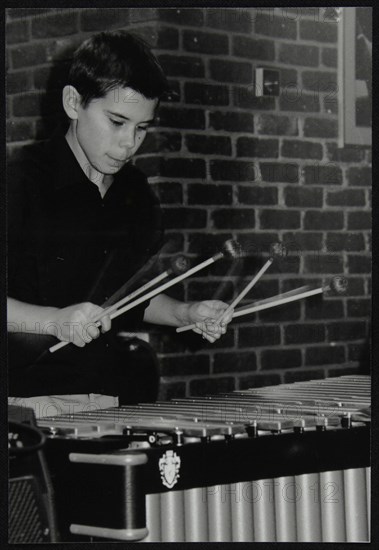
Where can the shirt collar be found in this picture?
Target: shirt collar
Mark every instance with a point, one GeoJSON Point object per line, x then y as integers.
{"type": "Point", "coordinates": [67, 171]}
{"type": "Point", "coordinates": [66, 168]}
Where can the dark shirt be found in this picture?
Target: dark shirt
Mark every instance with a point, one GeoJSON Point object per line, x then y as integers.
{"type": "Point", "coordinates": [67, 244]}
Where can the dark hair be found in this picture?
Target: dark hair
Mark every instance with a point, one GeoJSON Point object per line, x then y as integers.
{"type": "Point", "coordinates": [111, 59]}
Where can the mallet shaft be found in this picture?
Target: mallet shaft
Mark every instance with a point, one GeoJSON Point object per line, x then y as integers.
{"type": "Point", "coordinates": [279, 299]}
{"type": "Point", "coordinates": [243, 293]}
{"type": "Point", "coordinates": [276, 302]}
{"type": "Point", "coordinates": [151, 294]}
{"type": "Point", "coordinates": [133, 294]}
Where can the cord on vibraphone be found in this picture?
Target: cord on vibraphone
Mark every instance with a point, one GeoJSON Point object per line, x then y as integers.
{"type": "Point", "coordinates": [282, 463]}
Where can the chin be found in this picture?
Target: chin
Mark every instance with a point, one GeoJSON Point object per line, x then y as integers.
{"type": "Point", "coordinates": [109, 170]}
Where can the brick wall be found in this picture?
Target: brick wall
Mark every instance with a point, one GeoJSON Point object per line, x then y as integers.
{"type": "Point", "coordinates": [226, 163]}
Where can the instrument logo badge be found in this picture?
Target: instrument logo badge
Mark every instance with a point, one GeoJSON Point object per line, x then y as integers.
{"type": "Point", "coordinates": [169, 466]}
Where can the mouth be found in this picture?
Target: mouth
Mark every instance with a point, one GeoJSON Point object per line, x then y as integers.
{"type": "Point", "coordinates": [119, 161]}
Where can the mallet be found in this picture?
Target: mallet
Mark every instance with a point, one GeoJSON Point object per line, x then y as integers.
{"type": "Point", "coordinates": [231, 249]}
{"type": "Point", "coordinates": [179, 264]}
{"type": "Point", "coordinates": [338, 285]}
{"type": "Point", "coordinates": [276, 250]}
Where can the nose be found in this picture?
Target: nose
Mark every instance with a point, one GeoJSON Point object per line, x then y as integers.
{"type": "Point", "coordinates": [128, 138]}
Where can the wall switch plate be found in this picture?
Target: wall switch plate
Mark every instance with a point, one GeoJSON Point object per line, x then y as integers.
{"type": "Point", "coordinates": [267, 82]}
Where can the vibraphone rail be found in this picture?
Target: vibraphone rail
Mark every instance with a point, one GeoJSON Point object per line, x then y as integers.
{"type": "Point", "coordinates": [282, 463]}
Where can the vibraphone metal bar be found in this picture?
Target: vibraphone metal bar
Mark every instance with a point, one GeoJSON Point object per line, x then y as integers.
{"type": "Point", "coordinates": [281, 463]}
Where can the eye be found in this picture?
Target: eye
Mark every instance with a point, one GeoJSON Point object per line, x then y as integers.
{"type": "Point", "coordinates": [116, 122]}
{"type": "Point", "coordinates": [142, 128]}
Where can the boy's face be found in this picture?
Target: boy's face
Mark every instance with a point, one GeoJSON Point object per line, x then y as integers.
{"type": "Point", "coordinates": [111, 129]}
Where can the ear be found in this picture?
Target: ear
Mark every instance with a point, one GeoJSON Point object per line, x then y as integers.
{"type": "Point", "coordinates": [71, 100]}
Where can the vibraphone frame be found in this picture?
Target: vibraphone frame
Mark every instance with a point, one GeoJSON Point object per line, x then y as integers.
{"type": "Point", "coordinates": [101, 482]}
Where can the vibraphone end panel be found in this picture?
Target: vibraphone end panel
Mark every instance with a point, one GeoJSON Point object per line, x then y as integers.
{"type": "Point", "coordinates": [111, 496]}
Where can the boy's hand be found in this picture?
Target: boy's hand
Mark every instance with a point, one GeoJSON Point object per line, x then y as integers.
{"type": "Point", "coordinates": [205, 315]}
{"type": "Point", "coordinates": [76, 323]}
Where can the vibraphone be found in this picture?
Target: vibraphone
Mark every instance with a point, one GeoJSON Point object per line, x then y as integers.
{"type": "Point", "coordinates": [282, 463]}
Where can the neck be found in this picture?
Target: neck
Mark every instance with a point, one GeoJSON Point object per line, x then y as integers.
{"type": "Point", "coordinates": [101, 180]}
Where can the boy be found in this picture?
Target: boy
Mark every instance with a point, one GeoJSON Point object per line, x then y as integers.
{"type": "Point", "coordinates": [82, 221]}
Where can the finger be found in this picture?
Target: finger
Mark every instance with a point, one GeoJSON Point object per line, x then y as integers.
{"type": "Point", "coordinates": [92, 331]}
{"type": "Point", "coordinates": [106, 323]}
{"type": "Point", "coordinates": [211, 327]}
{"type": "Point", "coordinates": [214, 334]}
{"type": "Point", "coordinates": [215, 329]}
{"type": "Point", "coordinates": [202, 327]}
{"type": "Point", "coordinates": [77, 338]}
{"type": "Point", "coordinates": [223, 327]}
{"type": "Point", "coordinates": [210, 338]}
{"type": "Point", "coordinates": [81, 335]}
{"type": "Point", "coordinates": [210, 333]}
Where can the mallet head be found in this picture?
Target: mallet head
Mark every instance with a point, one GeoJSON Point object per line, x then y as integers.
{"type": "Point", "coordinates": [278, 250]}
{"type": "Point", "coordinates": [338, 284]}
{"type": "Point", "coordinates": [179, 264]}
{"type": "Point", "coordinates": [232, 249]}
